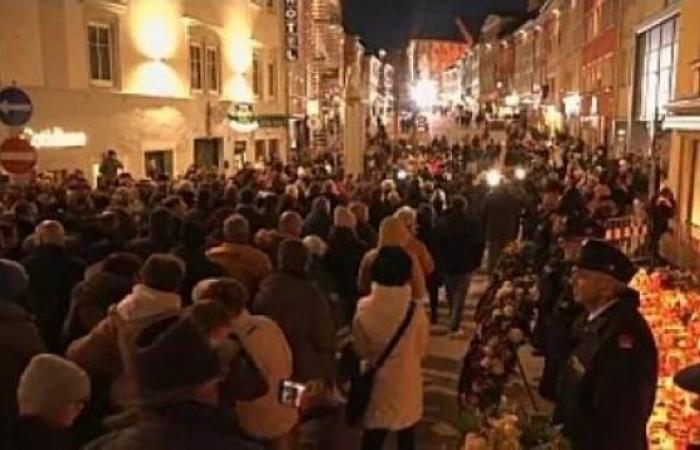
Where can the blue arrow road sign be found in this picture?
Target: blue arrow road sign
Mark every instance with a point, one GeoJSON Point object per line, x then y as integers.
{"type": "Point", "coordinates": [15, 107]}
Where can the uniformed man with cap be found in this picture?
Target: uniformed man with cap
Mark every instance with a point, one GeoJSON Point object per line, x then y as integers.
{"type": "Point", "coordinates": [607, 385]}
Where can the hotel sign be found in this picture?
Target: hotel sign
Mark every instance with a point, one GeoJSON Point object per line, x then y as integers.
{"type": "Point", "coordinates": [291, 27]}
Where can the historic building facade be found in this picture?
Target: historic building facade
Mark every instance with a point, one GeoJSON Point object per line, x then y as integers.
{"type": "Point", "coordinates": [682, 119]}
{"type": "Point", "coordinates": [166, 83]}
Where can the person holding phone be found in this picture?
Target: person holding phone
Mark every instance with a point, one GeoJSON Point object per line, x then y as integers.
{"type": "Point", "coordinates": [266, 418]}
{"type": "Point", "coordinates": [396, 401]}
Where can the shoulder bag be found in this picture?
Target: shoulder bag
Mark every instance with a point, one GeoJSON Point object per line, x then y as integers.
{"type": "Point", "coordinates": [362, 383]}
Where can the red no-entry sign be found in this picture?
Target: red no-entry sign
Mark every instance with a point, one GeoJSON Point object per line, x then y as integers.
{"type": "Point", "coordinates": [17, 156]}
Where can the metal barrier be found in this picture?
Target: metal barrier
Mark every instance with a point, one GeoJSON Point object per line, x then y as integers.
{"type": "Point", "coordinates": [631, 235]}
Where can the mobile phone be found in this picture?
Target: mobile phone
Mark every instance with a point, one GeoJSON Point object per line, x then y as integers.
{"type": "Point", "coordinates": [290, 393]}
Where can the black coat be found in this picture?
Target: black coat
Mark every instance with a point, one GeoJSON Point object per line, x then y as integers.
{"type": "Point", "coordinates": [90, 301]}
{"type": "Point", "coordinates": [367, 233]}
{"type": "Point", "coordinates": [53, 273]}
{"type": "Point", "coordinates": [458, 242]}
{"type": "Point", "coordinates": [102, 248]}
{"type": "Point", "coordinates": [147, 246]}
{"type": "Point", "coordinates": [252, 216]}
{"type": "Point", "coordinates": [608, 383]}
{"type": "Point", "coordinates": [182, 426]}
{"type": "Point", "coordinates": [556, 315]}
{"type": "Point", "coordinates": [317, 224]}
{"type": "Point", "coordinates": [378, 211]}
{"type": "Point", "coordinates": [197, 268]}
{"type": "Point", "coordinates": [30, 433]}
{"type": "Point", "coordinates": [501, 215]}
{"type": "Point", "coordinates": [343, 258]}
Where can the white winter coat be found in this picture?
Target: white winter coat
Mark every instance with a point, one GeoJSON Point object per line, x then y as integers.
{"type": "Point", "coordinates": [266, 417]}
{"type": "Point", "coordinates": [397, 395]}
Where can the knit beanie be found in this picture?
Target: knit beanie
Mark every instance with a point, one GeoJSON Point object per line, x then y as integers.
{"type": "Point", "coordinates": [13, 279]}
{"type": "Point", "coordinates": [173, 354]}
{"type": "Point", "coordinates": [49, 383]}
{"type": "Point", "coordinates": [343, 218]}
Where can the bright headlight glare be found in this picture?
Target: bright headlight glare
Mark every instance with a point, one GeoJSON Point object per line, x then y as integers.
{"type": "Point", "coordinates": [493, 177]}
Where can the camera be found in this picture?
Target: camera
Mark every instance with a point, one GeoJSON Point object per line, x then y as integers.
{"type": "Point", "coordinates": [291, 393]}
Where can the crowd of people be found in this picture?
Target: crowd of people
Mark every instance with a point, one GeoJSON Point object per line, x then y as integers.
{"type": "Point", "coordinates": [159, 313]}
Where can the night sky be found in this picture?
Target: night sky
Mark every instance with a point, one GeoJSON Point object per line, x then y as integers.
{"type": "Point", "coordinates": [390, 23]}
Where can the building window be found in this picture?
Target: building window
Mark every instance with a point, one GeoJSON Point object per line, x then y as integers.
{"type": "Point", "coordinates": [213, 69]}
{"type": "Point", "coordinates": [100, 46]}
{"type": "Point", "coordinates": [196, 67]}
{"type": "Point", "coordinates": [256, 76]}
{"type": "Point", "coordinates": [272, 79]}
{"type": "Point", "coordinates": [655, 80]}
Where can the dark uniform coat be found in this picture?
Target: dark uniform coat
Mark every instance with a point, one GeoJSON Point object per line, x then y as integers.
{"type": "Point", "coordinates": [608, 383]}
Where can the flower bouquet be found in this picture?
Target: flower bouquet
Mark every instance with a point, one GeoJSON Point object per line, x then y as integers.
{"type": "Point", "coordinates": [503, 323]}
{"type": "Point", "coordinates": [509, 432]}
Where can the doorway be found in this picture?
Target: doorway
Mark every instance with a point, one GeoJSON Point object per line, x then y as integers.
{"type": "Point", "coordinates": [239, 154]}
{"type": "Point", "coordinates": [207, 152]}
{"type": "Point", "coordinates": [158, 163]}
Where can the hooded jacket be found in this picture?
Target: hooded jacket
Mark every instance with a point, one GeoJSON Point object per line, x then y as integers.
{"type": "Point", "coordinates": [105, 351]}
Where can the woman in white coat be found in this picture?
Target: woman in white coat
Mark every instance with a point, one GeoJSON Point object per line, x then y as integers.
{"type": "Point", "coordinates": [396, 403]}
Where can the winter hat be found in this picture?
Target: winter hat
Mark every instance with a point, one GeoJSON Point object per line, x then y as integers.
{"type": "Point", "coordinates": [13, 279]}
{"type": "Point", "coordinates": [392, 267]}
{"type": "Point", "coordinates": [600, 256]}
{"type": "Point", "coordinates": [344, 218]}
{"type": "Point", "coordinates": [171, 355]}
{"type": "Point", "coordinates": [293, 257]}
{"type": "Point", "coordinates": [49, 383]}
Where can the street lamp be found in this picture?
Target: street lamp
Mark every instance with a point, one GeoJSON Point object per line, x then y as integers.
{"type": "Point", "coordinates": [425, 93]}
